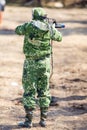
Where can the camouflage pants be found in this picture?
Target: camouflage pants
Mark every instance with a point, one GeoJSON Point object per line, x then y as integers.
{"type": "Point", "coordinates": [35, 81]}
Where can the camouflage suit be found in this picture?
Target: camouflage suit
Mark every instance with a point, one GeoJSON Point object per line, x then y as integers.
{"type": "Point", "coordinates": [37, 49]}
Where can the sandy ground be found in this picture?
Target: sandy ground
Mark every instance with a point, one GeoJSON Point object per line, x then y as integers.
{"type": "Point", "coordinates": [69, 80]}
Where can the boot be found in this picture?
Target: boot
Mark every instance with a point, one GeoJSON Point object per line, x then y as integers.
{"type": "Point", "coordinates": [28, 120]}
{"type": "Point", "coordinates": [43, 117]}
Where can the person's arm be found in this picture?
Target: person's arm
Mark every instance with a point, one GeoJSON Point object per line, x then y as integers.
{"type": "Point", "coordinates": [56, 35]}
{"type": "Point", "coordinates": [21, 29]}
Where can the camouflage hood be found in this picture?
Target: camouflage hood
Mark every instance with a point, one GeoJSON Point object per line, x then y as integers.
{"type": "Point", "coordinates": [38, 13]}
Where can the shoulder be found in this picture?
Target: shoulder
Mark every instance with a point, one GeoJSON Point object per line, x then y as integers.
{"type": "Point", "coordinates": [40, 25]}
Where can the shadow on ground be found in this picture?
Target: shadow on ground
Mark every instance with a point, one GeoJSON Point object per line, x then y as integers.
{"type": "Point", "coordinates": [67, 111]}
{"type": "Point", "coordinates": [7, 32]}
{"type": "Point", "coordinates": [70, 98]}
{"type": "Point", "coordinates": [13, 127]}
{"type": "Point", "coordinates": [9, 127]}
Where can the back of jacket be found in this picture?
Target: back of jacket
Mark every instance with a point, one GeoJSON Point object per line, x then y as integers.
{"type": "Point", "coordinates": [37, 38]}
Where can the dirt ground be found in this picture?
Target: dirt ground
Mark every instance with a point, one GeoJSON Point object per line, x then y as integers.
{"type": "Point", "coordinates": [69, 80]}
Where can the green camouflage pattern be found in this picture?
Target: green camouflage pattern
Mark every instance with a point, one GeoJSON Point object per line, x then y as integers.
{"type": "Point", "coordinates": [36, 70]}
{"type": "Point", "coordinates": [35, 80]}
{"type": "Point", "coordinates": [37, 12]}
{"type": "Point", "coordinates": [36, 41]}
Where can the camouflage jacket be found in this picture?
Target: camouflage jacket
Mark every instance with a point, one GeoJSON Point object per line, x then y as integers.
{"type": "Point", "coordinates": [37, 36]}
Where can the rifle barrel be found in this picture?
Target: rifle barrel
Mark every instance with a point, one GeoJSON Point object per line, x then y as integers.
{"type": "Point", "coordinates": [59, 25]}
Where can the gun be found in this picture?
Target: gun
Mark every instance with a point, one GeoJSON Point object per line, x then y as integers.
{"type": "Point", "coordinates": [52, 22]}
{"type": "Point", "coordinates": [55, 23]}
